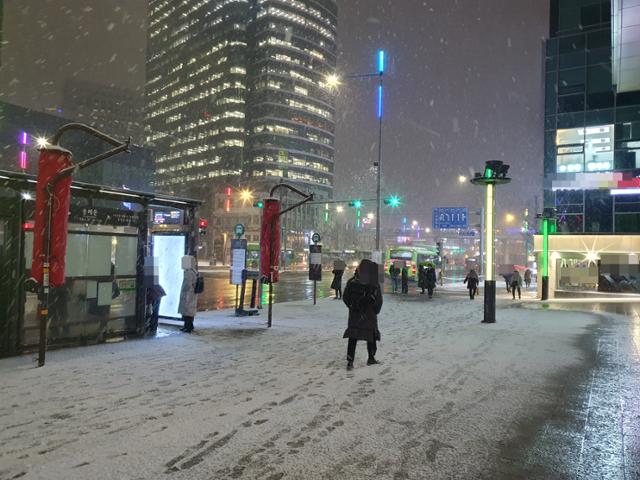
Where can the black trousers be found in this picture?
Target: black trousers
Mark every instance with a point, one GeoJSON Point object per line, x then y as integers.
{"type": "Point", "coordinates": [513, 290]}
{"type": "Point", "coordinates": [154, 308]}
{"type": "Point", "coordinates": [430, 291]}
{"type": "Point", "coordinates": [472, 293]}
{"type": "Point", "coordinates": [338, 292]}
{"type": "Point", "coordinates": [351, 349]}
{"type": "Point", "coordinates": [188, 323]}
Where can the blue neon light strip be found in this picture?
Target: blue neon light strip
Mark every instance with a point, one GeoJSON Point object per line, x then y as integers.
{"type": "Point", "coordinates": [380, 61]}
{"type": "Point", "coordinates": [380, 101]}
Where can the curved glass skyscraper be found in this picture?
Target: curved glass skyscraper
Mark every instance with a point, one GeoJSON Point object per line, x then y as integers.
{"type": "Point", "coordinates": [290, 112]}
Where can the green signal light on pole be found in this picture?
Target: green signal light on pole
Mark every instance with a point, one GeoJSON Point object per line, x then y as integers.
{"type": "Point", "coordinates": [488, 172]}
{"type": "Point", "coordinates": [258, 204]}
{"type": "Point", "coordinates": [355, 203]}
{"type": "Point", "coordinates": [393, 201]}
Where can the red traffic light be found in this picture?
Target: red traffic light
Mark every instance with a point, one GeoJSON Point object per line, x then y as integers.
{"type": "Point", "coordinates": [204, 223]}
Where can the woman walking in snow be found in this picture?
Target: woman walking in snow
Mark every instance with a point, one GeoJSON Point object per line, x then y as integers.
{"type": "Point", "coordinates": [363, 296]}
{"type": "Point", "coordinates": [336, 283]}
{"type": "Point", "coordinates": [472, 281]}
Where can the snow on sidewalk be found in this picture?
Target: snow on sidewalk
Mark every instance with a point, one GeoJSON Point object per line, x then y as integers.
{"type": "Point", "coordinates": [235, 400]}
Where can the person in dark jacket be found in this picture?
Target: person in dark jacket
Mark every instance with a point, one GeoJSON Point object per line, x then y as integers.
{"type": "Point", "coordinates": [422, 278]}
{"type": "Point", "coordinates": [394, 273]}
{"type": "Point", "coordinates": [507, 280]}
{"type": "Point", "coordinates": [405, 279]}
{"type": "Point", "coordinates": [472, 281]}
{"type": "Point", "coordinates": [527, 278]}
{"type": "Point", "coordinates": [516, 284]}
{"type": "Point", "coordinates": [154, 296]}
{"type": "Point", "coordinates": [363, 296]}
{"type": "Point", "coordinates": [336, 283]}
{"type": "Point", "coordinates": [430, 280]}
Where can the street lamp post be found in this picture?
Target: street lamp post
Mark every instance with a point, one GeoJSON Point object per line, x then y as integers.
{"type": "Point", "coordinates": [379, 164]}
{"type": "Point", "coordinates": [495, 173]}
{"type": "Point", "coordinates": [333, 81]}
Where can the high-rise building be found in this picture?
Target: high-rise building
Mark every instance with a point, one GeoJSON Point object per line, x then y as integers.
{"type": "Point", "coordinates": [592, 147]}
{"type": "Point", "coordinates": [236, 94]}
{"type": "Point", "coordinates": [290, 112]}
{"type": "Point", "coordinates": [113, 110]}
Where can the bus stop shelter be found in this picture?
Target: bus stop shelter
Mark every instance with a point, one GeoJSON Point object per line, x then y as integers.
{"type": "Point", "coordinates": [113, 233]}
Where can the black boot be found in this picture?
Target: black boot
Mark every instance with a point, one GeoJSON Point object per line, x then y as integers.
{"type": "Point", "coordinates": [372, 361]}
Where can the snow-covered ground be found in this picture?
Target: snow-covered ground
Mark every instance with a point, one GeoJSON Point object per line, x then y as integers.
{"type": "Point", "coordinates": [235, 400]}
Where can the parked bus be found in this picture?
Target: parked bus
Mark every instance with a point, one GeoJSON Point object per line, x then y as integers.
{"type": "Point", "coordinates": [412, 257]}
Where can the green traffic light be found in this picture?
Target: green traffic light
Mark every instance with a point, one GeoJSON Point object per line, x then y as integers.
{"type": "Point", "coordinates": [488, 172]}
{"type": "Point", "coordinates": [355, 203]}
{"type": "Point", "coordinates": [393, 201]}
{"type": "Point", "coordinates": [259, 204]}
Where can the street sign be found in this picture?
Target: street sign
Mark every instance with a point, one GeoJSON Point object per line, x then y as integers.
{"type": "Point", "coordinates": [467, 233]}
{"type": "Point", "coordinates": [315, 262]}
{"type": "Point", "coordinates": [238, 260]}
{"type": "Point", "coordinates": [239, 230]}
{"type": "Point", "coordinates": [451, 217]}
{"type": "Point", "coordinates": [315, 238]}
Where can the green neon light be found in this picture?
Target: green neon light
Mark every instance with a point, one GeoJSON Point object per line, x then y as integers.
{"type": "Point", "coordinates": [545, 247]}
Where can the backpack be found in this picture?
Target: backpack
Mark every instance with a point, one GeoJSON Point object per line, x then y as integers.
{"type": "Point", "coordinates": [199, 287]}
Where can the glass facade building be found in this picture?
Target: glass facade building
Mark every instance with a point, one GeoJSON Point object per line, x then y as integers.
{"type": "Point", "coordinates": [592, 133]}
{"type": "Point", "coordinates": [236, 93]}
{"type": "Point", "coordinates": [592, 155]}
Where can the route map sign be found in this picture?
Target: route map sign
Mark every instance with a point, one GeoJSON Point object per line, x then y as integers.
{"type": "Point", "coordinates": [450, 217]}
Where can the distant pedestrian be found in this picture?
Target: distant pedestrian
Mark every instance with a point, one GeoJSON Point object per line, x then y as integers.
{"type": "Point", "coordinates": [516, 283]}
{"type": "Point", "coordinates": [188, 299]}
{"type": "Point", "coordinates": [472, 281]}
{"type": "Point", "coordinates": [527, 278]}
{"type": "Point", "coordinates": [431, 280]}
{"type": "Point", "coordinates": [336, 283]}
{"type": "Point", "coordinates": [405, 280]}
{"type": "Point", "coordinates": [422, 277]}
{"type": "Point", "coordinates": [154, 296]}
{"type": "Point", "coordinates": [394, 273]}
{"type": "Point", "coordinates": [363, 297]}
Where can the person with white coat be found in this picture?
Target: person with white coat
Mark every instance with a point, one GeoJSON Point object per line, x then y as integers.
{"type": "Point", "coordinates": [188, 299]}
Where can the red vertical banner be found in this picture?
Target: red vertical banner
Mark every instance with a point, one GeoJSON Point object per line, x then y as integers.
{"type": "Point", "coordinates": [52, 160]}
{"type": "Point", "coordinates": [270, 239]}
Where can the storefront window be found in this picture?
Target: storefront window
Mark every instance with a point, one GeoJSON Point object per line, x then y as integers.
{"type": "Point", "coordinates": [576, 273]}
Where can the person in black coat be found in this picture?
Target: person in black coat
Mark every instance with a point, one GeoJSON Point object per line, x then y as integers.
{"type": "Point", "coordinates": [472, 281]}
{"type": "Point", "coordinates": [363, 296]}
{"type": "Point", "coordinates": [431, 279]}
{"type": "Point", "coordinates": [405, 279]}
{"type": "Point", "coordinates": [422, 277]}
{"type": "Point", "coordinates": [336, 283]}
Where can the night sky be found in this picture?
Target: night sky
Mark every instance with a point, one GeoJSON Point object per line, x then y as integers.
{"type": "Point", "coordinates": [465, 85]}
